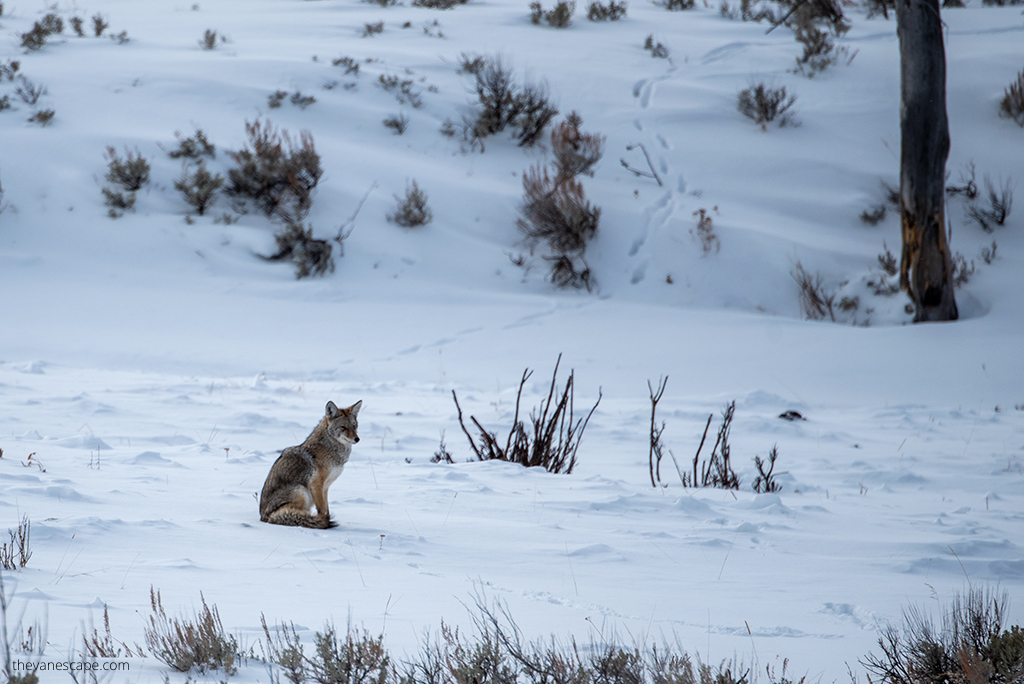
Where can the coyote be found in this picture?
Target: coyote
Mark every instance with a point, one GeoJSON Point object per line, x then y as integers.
{"type": "Point", "coordinates": [300, 476]}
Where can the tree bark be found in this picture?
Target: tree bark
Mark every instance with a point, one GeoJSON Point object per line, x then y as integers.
{"type": "Point", "coordinates": [926, 268]}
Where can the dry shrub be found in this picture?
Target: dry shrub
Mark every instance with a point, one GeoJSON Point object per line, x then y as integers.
{"type": "Point", "coordinates": [199, 188]}
{"type": "Point", "coordinates": [1012, 105]}
{"type": "Point", "coordinates": [556, 212]}
{"type": "Point", "coordinates": [200, 644]}
{"type": "Point", "coordinates": [613, 11]}
{"type": "Point", "coordinates": [275, 173]}
{"type": "Point", "coordinates": [505, 103]}
{"type": "Point", "coordinates": [764, 105]}
{"type": "Point", "coordinates": [16, 554]}
{"type": "Point", "coordinates": [106, 646]}
{"type": "Point", "coordinates": [705, 231]}
{"type": "Point", "coordinates": [309, 255]}
{"type": "Point", "coordinates": [131, 173]}
{"type": "Point", "coordinates": [1000, 201]}
{"type": "Point", "coordinates": [352, 659]}
{"type": "Point", "coordinates": [815, 301]}
{"type": "Point", "coordinates": [553, 438]}
{"type": "Point", "coordinates": [195, 147]}
{"type": "Point", "coordinates": [969, 646]}
{"type": "Point", "coordinates": [716, 471]}
{"type": "Point", "coordinates": [555, 209]}
{"type": "Point", "coordinates": [412, 210]}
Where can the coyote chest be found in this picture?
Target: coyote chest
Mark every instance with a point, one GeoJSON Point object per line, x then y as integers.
{"type": "Point", "coordinates": [299, 479]}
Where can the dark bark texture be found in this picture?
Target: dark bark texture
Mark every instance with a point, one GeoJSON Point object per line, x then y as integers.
{"type": "Point", "coordinates": [926, 270]}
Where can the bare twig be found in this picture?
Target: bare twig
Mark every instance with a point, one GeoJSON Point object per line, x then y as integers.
{"type": "Point", "coordinates": [637, 172]}
{"type": "Point", "coordinates": [654, 456]}
{"type": "Point", "coordinates": [350, 223]}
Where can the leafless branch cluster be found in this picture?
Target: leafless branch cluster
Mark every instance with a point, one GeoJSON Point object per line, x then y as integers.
{"type": "Point", "coordinates": [553, 438]}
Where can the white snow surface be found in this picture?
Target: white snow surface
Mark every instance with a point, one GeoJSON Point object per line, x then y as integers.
{"type": "Point", "coordinates": [153, 367]}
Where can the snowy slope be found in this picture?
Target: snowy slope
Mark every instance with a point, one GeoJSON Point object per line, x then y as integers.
{"type": "Point", "coordinates": [155, 366]}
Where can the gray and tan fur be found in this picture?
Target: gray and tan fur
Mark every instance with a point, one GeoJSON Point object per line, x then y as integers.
{"type": "Point", "coordinates": [300, 476]}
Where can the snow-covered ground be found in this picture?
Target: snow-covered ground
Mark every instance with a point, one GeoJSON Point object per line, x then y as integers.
{"type": "Point", "coordinates": [152, 366]}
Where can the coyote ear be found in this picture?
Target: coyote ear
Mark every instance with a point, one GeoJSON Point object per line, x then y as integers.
{"type": "Point", "coordinates": [331, 410]}
{"type": "Point", "coordinates": [354, 408]}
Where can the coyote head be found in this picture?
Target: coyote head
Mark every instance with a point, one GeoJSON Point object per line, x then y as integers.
{"type": "Point", "coordinates": [342, 423]}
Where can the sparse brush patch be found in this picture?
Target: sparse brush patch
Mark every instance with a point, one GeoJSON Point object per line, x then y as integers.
{"type": "Point", "coordinates": [350, 65]}
{"type": "Point", "coordinates": [613, 11]}
{"type": "Point", "coordinates": [43, 117]}
{"type": "Point", "coordinates": [411, 210]}
{"type": "Point", "coordinates": [968, 187]}
{"type": "Point", "coordinates": [677, 5]}
{"type": "Point", "coordinates": [504, 102]}
{"type": "Point", "coordinates": [121, 38]}
{"type": "Point", "coordinates": [1000, 202]}
{"type": "Point", "coordinates": [16, 554]}
{"type": "Point", "coordinates": [1012, 104]}
{"type": "Point", "coordinates": [883, 7]}
{"type": "Point", "coordinates": [655, 47]}
{"type": "Point", "coordinates": [553, 439]}
{"type": "Point", "coordinates": [397, 123]}
{"type": "Point", "coordinates": [471, 63]}
{"type": "Point", "coordinates": [820, 50]}
{"type": "Point", "coordinates": [275, 99]}
{"type": "Point", "coordinates": [199, 188]}
{"type": "Point", "coordinates": [403, 89]}
{"type": "Point", "coordinates": [209, 39]}
{"type": "Point", "coordinates": [195, 147]}
{"type": "Point", "coordinates": [9, 69]}
{"type": "Point", "coordinates": [873, 215]}
{"type": "Point", "coordinates": [439, 4]}
{"type": "Point", "coordinates": [382, 3]}
{"type": "Point", "coordinates": [442, 455]}
{"type": "Point", "coordinates": [354, 658]}
{"type": "Point", "coordinates": [962, 270]}
{"type": "Point", "coordinates": [52, 23]}
{"type": "Point", "coordinates": [988, 254]}
{"type": "Point", "coordinates": [705, 231]}
{"type": "Point", "coordinates": [276, 173]}
{"type": "Point", "coordinates": [765, 482]}
{"type": "Point", "coordinates": [763, 105]}
{"type": "Point", "coordinates": [555, 209]}
{"type": "Point", "coordinates": [557, 212]}
{"type": "Point", "coordinates": [816, 302]}
{"type": "Point", "coordinates": [284, 649]}
{"type": "Point", "coordinates": [131, 173]}
{"type": "Point", "coordinates": [302, 101]}
{"type": "Point", "coordinates": [117, 201]}
{"type": "Point", "coordinates": [576, 153]}
{"type": "Point", "coordinates": [372, 28]}
{"type": "Point", "coordinates": [309, 255]}
{"type": "Point", "coordinates": [35, 39]}
{"type": "Point", "coordinates": [888, 262]}
{"type": "Point", "coordinates": [716, 471]}
{"type": "Point", "coordinates": [969, 644]}
{"type": "Point", "coordinates": [200, 644]}
{"type": "Point", "coordinates": [78, 26]}
{"type": "Point", "coordinates": [558, 17]}
{"type": "Point", "coordinates": [99, 25]}
{"type": "Point", "coordinates": [29, 92]}
{"type": "Point", "coordinates": [106, 646]}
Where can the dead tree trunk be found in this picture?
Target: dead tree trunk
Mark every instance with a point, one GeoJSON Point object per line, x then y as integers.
{"type": "Point", "coordinates": [926, 269]}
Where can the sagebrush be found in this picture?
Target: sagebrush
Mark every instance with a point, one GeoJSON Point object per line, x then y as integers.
{"type": "Point", "coordinates": [184, 644]}
{"type": "Point", "coordinates": [276, 173]}
{"type": "Point", "coordinates": [969, 645]}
